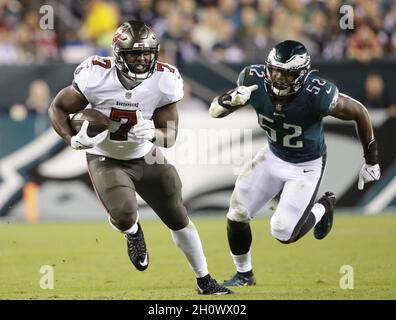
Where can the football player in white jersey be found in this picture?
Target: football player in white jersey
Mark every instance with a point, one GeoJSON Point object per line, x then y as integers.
{"type": "Point", "coordinates": [139, 95]}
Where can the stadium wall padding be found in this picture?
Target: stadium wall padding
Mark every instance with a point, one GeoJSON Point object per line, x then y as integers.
{"type": "Point", "coordinates": [66, 193]}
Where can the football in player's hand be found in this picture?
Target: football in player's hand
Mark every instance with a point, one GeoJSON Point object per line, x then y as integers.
{"type": "Point", "coordinates": [98, 122]}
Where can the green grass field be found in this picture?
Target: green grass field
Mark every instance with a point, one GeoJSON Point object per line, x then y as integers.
{"type": "Point", "coordinates": [90, 261]}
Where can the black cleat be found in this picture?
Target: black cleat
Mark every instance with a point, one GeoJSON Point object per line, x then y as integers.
{"type": "Point", "coordinates": [240, 280]}
{"type": "Point", "coordinates": [323, 227]}
{"type": "Point", "coordinates": [137, 250]}
{"type": "Point", "coordinates": [208, 285]}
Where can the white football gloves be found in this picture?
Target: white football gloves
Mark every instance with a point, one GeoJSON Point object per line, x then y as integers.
{"type": "Point", "coordinates": [82, 141]}
{"type": "Point", "coordinates": [368, 173]}
{"type": "Point", "coordinates": [143, 129]}
{"type": "Point", "coordinates": [240, 95]}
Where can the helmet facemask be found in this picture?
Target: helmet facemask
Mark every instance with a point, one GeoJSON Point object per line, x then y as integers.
{"type": "Point", "coordinates": [137, 65]}
{"type": "Point", "coordinates": [285, 82]}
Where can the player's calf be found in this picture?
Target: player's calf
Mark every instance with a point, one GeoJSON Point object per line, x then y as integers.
{"type": "Point", "coordinates": [239, 237]}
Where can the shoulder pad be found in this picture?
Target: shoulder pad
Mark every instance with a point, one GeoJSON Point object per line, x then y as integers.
{"type": "Point", "coordinates": [170, 82]}
{"type": "Point", "coordinates": [322, 93]}
{"type": "Point", "coordinates": [90, 72]}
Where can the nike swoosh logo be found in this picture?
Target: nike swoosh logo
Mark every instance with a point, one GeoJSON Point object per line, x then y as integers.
{"type": "Point", "coordinates": [144, 262]}
{"type": "Point", "coordinates": [328, 91]}
{"type": "Point", "coordinates": [305, 171]}
{"type": "Point", "coordinates": [373, 174]}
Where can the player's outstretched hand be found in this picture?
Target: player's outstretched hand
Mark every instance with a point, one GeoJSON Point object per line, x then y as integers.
{"type": "Point", "coordinates": [368, 173]}
{"type": "Point", "coordinates": [240, 95]}
{"type": "Point", "coordinates": [82, 141]}
{"type": "Point", "coordinates": [143, 129]}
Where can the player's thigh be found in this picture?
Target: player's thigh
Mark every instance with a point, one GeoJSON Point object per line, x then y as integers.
{"type": "Point", "coordinates": [295, 203]}
{"type": "Point", "coordinates": [113, 186]}
{"type": "Point", "coordinates": [255, 186]}
{"type": "Point", "coordinates": [160, 186]}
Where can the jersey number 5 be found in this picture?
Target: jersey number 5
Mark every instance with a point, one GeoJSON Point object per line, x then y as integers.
{"type": "Point", "coordinates": [118, 115]}
{"type": "Point", "coordinates": [289, 140]}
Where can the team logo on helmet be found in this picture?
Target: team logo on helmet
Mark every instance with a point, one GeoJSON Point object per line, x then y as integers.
{"type": "Point", "coordinates": [120, 34]}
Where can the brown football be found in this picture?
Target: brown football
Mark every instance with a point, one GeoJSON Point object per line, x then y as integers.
{"type": "Point", "coordinates": [98, 122]}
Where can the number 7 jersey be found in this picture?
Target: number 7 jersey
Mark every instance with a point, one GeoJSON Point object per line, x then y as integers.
{"type": "Point", "coordinates": [294, 130]}
{"type": "Point", "coordinates": [96, 78]}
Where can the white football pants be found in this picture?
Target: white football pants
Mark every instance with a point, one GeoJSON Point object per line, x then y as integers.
{"type": "Point", "coordinates": [263, 178]}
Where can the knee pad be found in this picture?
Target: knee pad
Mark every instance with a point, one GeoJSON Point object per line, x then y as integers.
{"type": "Point", "coordinates": [237, 211]}
{"type": "Point", "coordinates": [280, 229]}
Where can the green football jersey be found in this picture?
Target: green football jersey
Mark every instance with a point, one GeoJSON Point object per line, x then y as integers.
{"type": "Point", "coordinates": [294, 130]}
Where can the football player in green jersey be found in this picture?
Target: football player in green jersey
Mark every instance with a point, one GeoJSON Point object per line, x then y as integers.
{"type": "Point", "coordinates": [290, 101]}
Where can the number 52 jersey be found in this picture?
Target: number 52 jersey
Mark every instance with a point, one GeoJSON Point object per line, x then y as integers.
{"type": "Point", "coordinates": [96, 78]}
{"type": "Point", "coordinates": [295, 130]}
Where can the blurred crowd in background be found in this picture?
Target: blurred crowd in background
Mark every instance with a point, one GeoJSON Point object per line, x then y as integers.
{"type": "Point", "coordinates": [233, 31]}
{"type": "Point", "coordinates": [219, 30]}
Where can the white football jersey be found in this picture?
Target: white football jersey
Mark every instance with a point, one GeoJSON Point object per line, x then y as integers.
{"type": "Point", "coordinates": [96, 78]}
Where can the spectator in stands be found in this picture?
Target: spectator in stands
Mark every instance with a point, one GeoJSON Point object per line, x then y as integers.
{"type": "Point", "coordinates": [37, 103]}
{"type": "Point", "coordinates": [199, 24]}
{"type": "Point", "coordinates": [229, 10]}
{"type": "Point", "coordinates": [317, 30]}
{"type": "Point", "coordinates": [144, 11]}
{"type": "Point", "coordinates": [369, 12]}
{"type": "Point", "coordinates": [226, 49]}
{"type": "Point", "coordinates": [35, 44]}
{"type": "Point", "coordinates": [376, 96]}
{"type": "Point", "coordinates": [8, 46]}
{"type": "Point", "coordinates": [253, 35]}
{"type": "Point", "coordinates": [206, 32]}
{"type": "Point", "coordinates": [289, 25]}
{"type": "Point", "coordinates": [101, 21]}
{"type": "Point", "coordinates": [390, 29]}
{"type": "Point", "coordinates": [364, 45]}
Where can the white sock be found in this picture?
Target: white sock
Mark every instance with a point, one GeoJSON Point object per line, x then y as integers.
{"type": "Point", "coordinates": [243, 262]}
{"type": "Point", "coordinates": [187, 239]}
{"type": "Point", "coordinates": [318, 211]}
{"type": "Point", "coordinates": [131, 230]}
